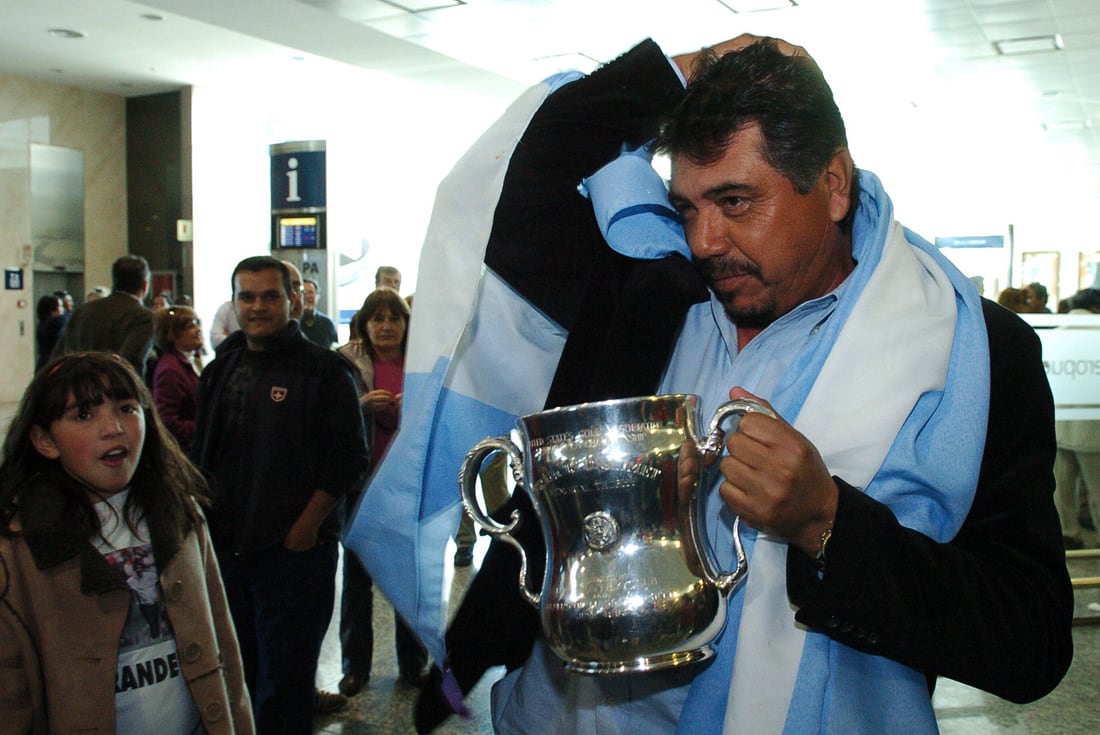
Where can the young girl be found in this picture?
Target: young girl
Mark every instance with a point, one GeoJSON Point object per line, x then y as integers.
{"type": "Point", "coordinates": [112, 612]}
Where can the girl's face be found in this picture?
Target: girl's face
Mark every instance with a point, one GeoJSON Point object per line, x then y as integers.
{"type": "Point", "coordinates": [98, 445]}
{"type": "Point", "coordinates": [386, 330]}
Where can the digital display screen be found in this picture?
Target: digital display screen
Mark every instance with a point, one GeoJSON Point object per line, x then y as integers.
{"type": "Point", "coordinates": [298, 232]}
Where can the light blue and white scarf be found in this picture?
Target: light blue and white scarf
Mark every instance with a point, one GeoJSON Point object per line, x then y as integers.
{"type": "Point", "coordinates": [894, 393]}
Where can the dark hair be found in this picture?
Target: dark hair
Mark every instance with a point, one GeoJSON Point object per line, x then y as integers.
{"type": "Point", "coordinates": [376, 301]}
{"type": "Point", "coordinates": [310, 280]}
{"type": "Point", "coordinates": [258, 263]}
{"type": "Point", "coordinates": [786, 96]}
{"type": "Point", "coordinates": [1039, 290]}
{"type": "Point", "coordinates": [164, 482]}
{"type": "Point", "coordinates": [1088, 298]}
{"type": "Point", "coordinates": [171, 322]}
{"type": "Point", "coordinates": [46, 306]}
{"type": "Point", "coordinates": [131, 274]}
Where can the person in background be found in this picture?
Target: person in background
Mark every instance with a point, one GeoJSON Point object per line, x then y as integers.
{"type": "Point", "coordinates": [224, 324]}
{"type": "Point", "coordinates": [280, 434]}
{"type": "Point", "coordinates": [176, 375]}
{"type": "Point", "coordinates": [1037, 298]}
{"type": "Point", "coordinates": [97, 292]}
{"type": "Point", "coordinates": [316, 325]}
{"type": "Point", "coordinates": [119, 323]}
{"type": "Point", "coordinates": [161, 301]}
{"type": "Point", "coordinates": [297, 302]}
{"type": "Point", "coordinates": [388, 276]}
{"type": "Point", "coordinates": [493, 480]}
{"type": "Point", "coordinates": [1014, 299]}
{"type": "Point", "coordinates": [377, 348]}
{"type": "Point", "coordinates": [102, 534]}
{"type": "Point", "coordinates": [66, 302]}
{"type": "Point", "coordinates": [1077, 464]}
{"type": "Point", "coordinates": [51, 322]}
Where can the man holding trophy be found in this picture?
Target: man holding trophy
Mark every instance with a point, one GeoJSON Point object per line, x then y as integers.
{"type": "Point", "coordinates": [895, 499]}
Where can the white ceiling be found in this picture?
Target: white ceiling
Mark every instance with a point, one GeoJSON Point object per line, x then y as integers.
{"type": "Point", "coordinates": [920, 82]}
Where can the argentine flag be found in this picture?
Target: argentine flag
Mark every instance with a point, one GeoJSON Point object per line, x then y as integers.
{"type": "Point", "coordinates": [465, 327]}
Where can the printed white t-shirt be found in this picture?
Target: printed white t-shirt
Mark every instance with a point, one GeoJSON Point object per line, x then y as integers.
{"type": "Point", "coordinates": [151, 694]}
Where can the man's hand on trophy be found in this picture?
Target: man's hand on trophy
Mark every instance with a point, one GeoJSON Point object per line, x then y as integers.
{"type": "Point", "coordinates": [776, 481]}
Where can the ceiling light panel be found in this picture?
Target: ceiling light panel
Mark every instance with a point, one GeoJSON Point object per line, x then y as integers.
{"type": "Point", "coordinates": [1029, 45]}
{"type": "Point", "coordinates": [423, 6]}
{"type": "Point", "coordinates": [757, 6]}
{"type": "Point", "coordinates": [1066, 126]}
{"type": "Point", "coordinates": [65, 33]}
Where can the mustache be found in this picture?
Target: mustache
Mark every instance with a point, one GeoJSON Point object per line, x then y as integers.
{"type": "Point", "coordinates": [714, 269]}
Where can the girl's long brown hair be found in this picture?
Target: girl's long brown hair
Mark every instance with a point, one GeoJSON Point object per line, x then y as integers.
{"type": "Point", "coordinates": [165, 483]}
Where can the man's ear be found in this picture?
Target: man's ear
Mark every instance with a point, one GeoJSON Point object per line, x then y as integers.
{"type": "Point", "coordinates": [838, 178]}
{"type": "Point", "coordinates": [43, 443]}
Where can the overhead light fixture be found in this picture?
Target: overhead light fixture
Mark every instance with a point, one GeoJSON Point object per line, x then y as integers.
{"type": "Point", "coordinates": [423, 6]}
{"type": "Point", "coordinates": [1029, 45]}
{"type": "Point", "coordinates": [65, 33]}
{"type": "Point", "coordinates": [757, 6]}
{"type": "Point", "coordinates": [1065, 126]}
{"type": "Point", "coordinates": [152, 16]}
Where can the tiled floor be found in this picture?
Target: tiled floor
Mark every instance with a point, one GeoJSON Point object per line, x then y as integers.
{"type": "Point", "coordinates": [1073, 708]}
{"type": "Point", "coordinates": [385, 706]}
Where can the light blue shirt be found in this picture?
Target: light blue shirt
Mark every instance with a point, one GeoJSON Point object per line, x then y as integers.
{"type": "Point", "coordinates": [540, 697]}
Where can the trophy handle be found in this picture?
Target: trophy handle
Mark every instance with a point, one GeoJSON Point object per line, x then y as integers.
{"type": "Point", "coordinates": [712, 445]}
{"type": "Point", "coordinates": [467, 479]}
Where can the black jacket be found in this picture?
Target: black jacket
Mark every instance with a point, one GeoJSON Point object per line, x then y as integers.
{"type": "Point", "coordinates": [992, 608]}
{"type": "Point", "coordinates": [274, 426]}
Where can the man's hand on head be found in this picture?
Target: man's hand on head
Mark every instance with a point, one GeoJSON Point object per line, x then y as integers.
{"type": "Point", "coordinates": [687, 63]}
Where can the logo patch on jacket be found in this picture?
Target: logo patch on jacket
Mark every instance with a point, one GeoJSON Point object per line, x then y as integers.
{"type": "Point", "coordinates": [278, 394]}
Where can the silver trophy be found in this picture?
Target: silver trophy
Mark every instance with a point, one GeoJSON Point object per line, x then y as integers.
{"type": "Point", "coordinates": [630, 582]}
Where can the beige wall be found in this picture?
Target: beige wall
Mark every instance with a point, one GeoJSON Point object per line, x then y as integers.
{"type": "Point", "coordinates": [35, 112]}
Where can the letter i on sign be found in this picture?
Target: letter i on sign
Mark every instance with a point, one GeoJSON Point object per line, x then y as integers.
{"type": "Point", "coordinates": [292, 181]}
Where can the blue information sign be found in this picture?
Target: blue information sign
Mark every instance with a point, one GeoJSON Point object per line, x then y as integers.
{"type": "Point", "coordinates": [298, 181]}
